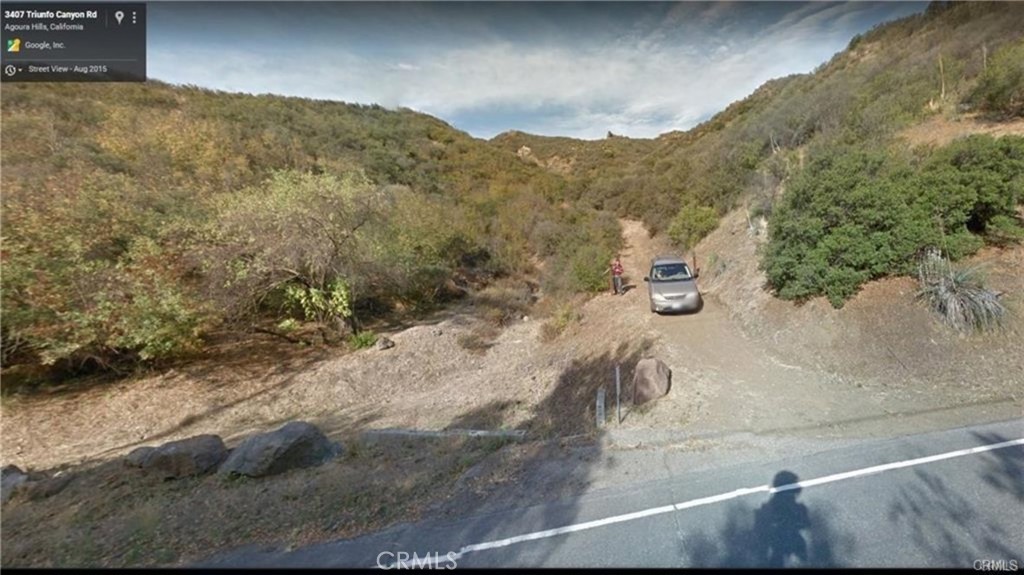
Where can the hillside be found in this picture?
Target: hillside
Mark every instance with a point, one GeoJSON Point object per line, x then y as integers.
{"type": "Point", "coordinates": [888, 79]}
{"type": "Point", "coordinates": [132, 197]}
{"type": "Point", "coordinates": [650, 178]}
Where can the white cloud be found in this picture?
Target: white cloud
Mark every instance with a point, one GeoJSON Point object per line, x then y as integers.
{"type": "Point", "coordinates": [405, 66]}
{"type": "Point", "coordinates": [643, 83]}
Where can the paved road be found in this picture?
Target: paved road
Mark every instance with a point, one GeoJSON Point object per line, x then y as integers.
{"type": "Point", "coordinates": [943, 499]}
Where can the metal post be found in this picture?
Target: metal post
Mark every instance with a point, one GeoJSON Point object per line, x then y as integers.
{"type": "Point", "coordinates": [600, 408]}
{"type": "Point", "coordinates": [618, 395]}
{"type": "Point", "coordinates": [634, 391]}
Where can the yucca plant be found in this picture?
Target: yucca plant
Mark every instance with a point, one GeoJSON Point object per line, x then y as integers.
{"type": "Point", "coordinates": [958, 294]}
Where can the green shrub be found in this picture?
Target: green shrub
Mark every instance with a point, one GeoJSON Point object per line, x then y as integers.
{"type": "Point", "coordinates": [288, 325]}
{"type": "Point", "coordinates": [692, 224]}
{"type": "Point", "coordinates": [1003, 229]}
{"type": "Point", "coordinates": [1000, 89]}
{"type": "Point", "coordinates": [958, 295]}
{"type": "Point", "coordinates": [362, 339]}
{"type": "Point", "coordinates": [334, 301]}
{"type": "Point", "coordinates": [160, 320]}
{"type": "Point", "coordinates": [855, 213]}
{"type": "Point", "coordinates": [306, 235]}
{"type": "Point", "coordinates": [88, 276]}
{"type": "Point", "coordinates": [589, 269]}
{"type": "Point", "coordinates": [587, 241]}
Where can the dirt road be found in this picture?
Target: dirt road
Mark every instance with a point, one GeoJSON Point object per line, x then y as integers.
{"type": "Point", "coordinates": [726, 381]}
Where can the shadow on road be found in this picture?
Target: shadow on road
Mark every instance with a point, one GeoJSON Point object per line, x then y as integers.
{"type": "Point", "coordinates": [940, 522]}
{"type": "Point", "coordinates": [1004, 468]}
{"type": "Point", "coordinates": [782, 532]}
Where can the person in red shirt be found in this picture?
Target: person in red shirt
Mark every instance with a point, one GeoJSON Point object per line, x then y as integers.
{"type": "Point", "coordinates": [616, 276]}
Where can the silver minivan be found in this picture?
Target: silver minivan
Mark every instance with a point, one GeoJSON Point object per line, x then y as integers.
{"type": "Point", "coordinates": [671, 286]}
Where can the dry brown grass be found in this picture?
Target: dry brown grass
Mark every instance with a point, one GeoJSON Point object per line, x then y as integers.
{"type": "Point", "coordinates": [565, 315]}
{"type": "Point", "coordinates": [112, 516]}
{"type": "Point", "coordinates": [480, 339]}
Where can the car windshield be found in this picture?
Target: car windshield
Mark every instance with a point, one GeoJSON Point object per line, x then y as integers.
{"type": "Point", "coordinates": [670, 273]}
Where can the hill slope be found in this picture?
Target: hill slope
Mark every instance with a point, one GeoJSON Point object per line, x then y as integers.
{"type": "Point", "coordinates": [887, 79]}
{"type": "Point", "coordinates": [138, 218]}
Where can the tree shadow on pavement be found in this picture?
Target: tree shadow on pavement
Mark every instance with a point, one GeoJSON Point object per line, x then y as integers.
{"type": "Point", "coordinates": [940, 523]}
{"type": "Point", "coordinates": [782, 532]}
{"type": "Point", "coordinates": [1004, 467]}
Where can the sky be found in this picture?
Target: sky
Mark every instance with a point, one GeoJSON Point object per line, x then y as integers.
{"type": "Point", "coordinates": [578, 69]}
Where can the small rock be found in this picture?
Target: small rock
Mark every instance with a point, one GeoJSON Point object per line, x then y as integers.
{"type": "Point", "coordinates": [437, 332]}
{"type": "Point", "coordinates": [385, 343]}
{"type": "Point", "coordinates": [526, 318]}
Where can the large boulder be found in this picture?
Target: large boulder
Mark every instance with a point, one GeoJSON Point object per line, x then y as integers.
{"type": "Point", "coordinates": [183, 458]}
{"type": "Point", "coordinates": [651, 380]}
{"type": "Point", "coordinates": [297, 444]}
{"type": "Point", "coordinates": [10, 478]}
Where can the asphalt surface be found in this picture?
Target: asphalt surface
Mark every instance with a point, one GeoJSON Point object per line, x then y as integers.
{"type": "Point", "coordinates": [947, 512]}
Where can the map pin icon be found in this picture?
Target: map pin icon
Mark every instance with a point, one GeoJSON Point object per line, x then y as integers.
{"type": "Point", "coordinates": [119, 15]}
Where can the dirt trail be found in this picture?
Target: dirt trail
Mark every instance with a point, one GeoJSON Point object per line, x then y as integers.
{"type": "Point", "coordinates": [940, 130]}
{"type": "Point", "coordinates": [728, 381]}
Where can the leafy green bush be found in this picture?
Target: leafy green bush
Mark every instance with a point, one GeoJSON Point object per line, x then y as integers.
{"type": "Point", "coordinates": [856, 214]}
{"type": "Point", "coordinates": [958, 295]}
{"type": "Point", "coordinates": [334, 301]}
{"type": "Point", "coordinates": [288, 325]}
{"type": "Point", "coordinates": [692, 224]}
{"type": "Point", "coordinates": [303, 234]}
{"type": "Point", "coordinates": [1000, 89]}
{"type": "Point", "coordinates": [589, 268]}
{"type": "Point", "coordinates": [1003, 229]}
{"type": "Point", "coordinates": [587, 241]}
{"type": "Point", "coordinates": [89, 276]}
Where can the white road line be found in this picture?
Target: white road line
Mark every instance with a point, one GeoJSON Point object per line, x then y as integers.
{"type": "Point", "coordinates": [730, 495]}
